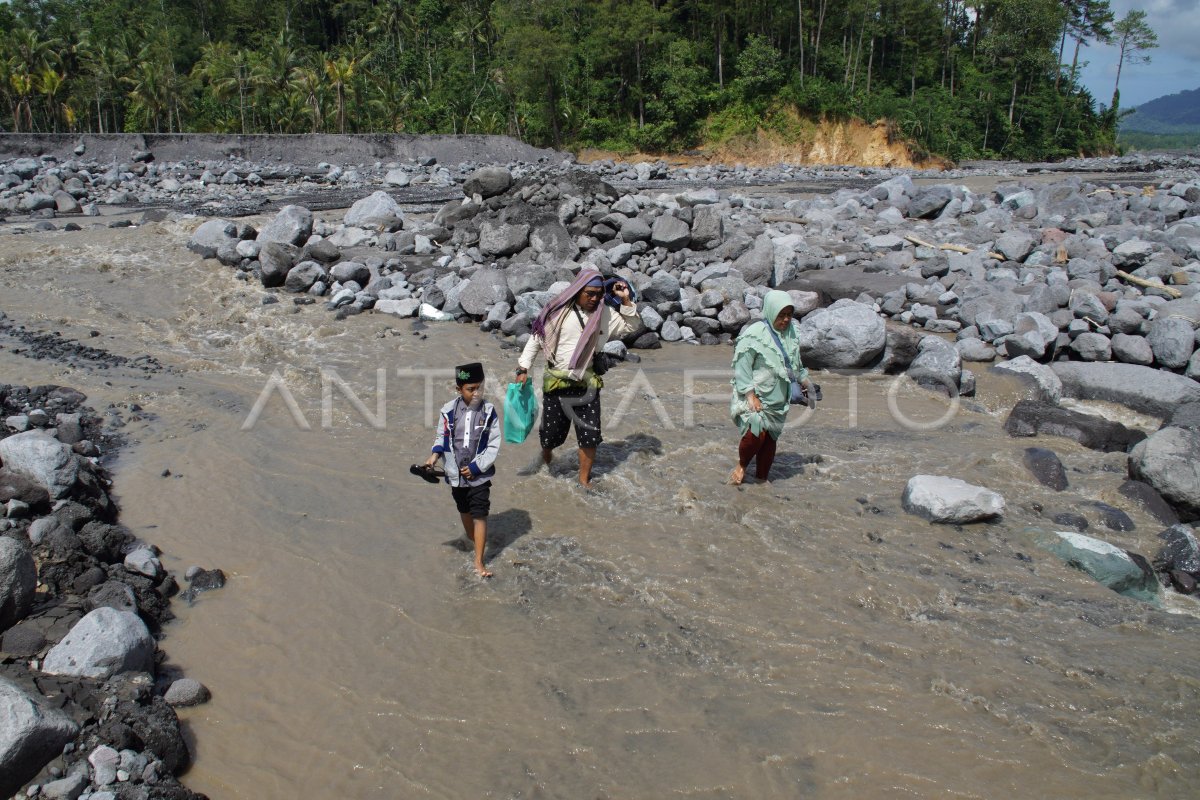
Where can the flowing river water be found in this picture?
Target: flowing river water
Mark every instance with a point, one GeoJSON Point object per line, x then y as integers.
{"type": "Point", "coordinates": [665, 635]}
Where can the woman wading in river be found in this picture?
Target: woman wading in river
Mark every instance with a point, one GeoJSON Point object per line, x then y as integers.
{"type": "Point", "coordinates": [765, 353]}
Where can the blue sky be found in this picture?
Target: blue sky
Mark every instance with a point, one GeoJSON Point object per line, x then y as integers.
{"type": "Point", "coordinates": [1174, 65]}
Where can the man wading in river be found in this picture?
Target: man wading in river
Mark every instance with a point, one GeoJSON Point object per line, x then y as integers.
{"type": "Point", "coordinates": [571, 330]}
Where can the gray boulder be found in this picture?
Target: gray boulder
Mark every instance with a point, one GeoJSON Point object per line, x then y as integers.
{"type": "Point", "coordinates": [292, 226]}
{"type": "Point", "coordinates": [275, 260]}
{"type": "Point", "coordinates": [733, 316]}
{"type": "Point", "coordinates": [937, 365]}
{"type": "Point", "coordinates": [1107, 563]}
{"type": "Point", "coordinates": [930, 202]}
{"type": "Point", "coordinates": [347, 271]}
{"type": "Point", "coordinates": [635, 229]}
{"type": "Point", "coordinates": [18, 582]}
{"type": "Point", "coordinates": [1145, 389]}
{"type": "Point", "coordinates": [757, 265]}
{"type": "Point", "coordinates": [1092, 347]}
{"type": "Point", "coordinates": [487, 182]}
{"type": "Point", "coordinates": [301, 277]}
{"type": "Point", "coordinates": [502, 239]}
{"type": "Point", "coordinates": [485, 288]}
{"type": "Point", "coordinates": [1014, 245]}
{"type": "Point", "coordinates": [186, 692]}
{"type": "Point", "coordinates": [663, 288]}
{"type": "Point", "coordinates": [1132, 253]}
{"type": "Point", "coordinates": [102, 644]}
{"type": "Point", "coordinates": [846, 335]}
{"type": "Point", "coordinates": [1132, 349]}
{"type": "Point", "coordinates": [404, 307]}
{"type": "Point", "coordinates": [971, 349]}
{"type": "Point", "coordinates": [524, 278]}
{"type": "Point", "coordinates": [708, 227]}
{"type": "Point", "coordinates": [1169, 460]}
{"type": "Point", "coordinates": [554, 240]}
{"type": "Point", "coordinates": [65, 203]}
{"type": "Point", "coordinates": [1172, 339]}
{"type": "Point", "coordinates": [42, 459]}
{"type": "Point", "coordinates": [670, 232]}
{"type": "Point", "coordinates": [210, 236]}
{"type": "Point", "coordinates": [378, 211]}
{"type": "Point", "coordinates": [30, 736]}
{"type": "Point", "coordinates": [949, 500]}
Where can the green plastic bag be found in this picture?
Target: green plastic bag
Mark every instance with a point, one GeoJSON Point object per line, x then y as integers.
{"type": "Point", "coordinates": [520, 411]}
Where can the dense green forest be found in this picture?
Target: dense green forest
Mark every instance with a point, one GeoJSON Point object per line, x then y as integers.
{"type": "Point", "coordinates": [961, 78]}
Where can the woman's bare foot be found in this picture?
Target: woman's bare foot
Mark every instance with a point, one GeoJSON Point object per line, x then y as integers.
{"type": "Point", "coordinates": [737, 476]}
{"type": "Point", "coordinates": [481, 570]}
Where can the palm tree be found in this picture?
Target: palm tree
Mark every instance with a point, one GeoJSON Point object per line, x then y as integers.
{"type": "Point", "coordinates": [108, 67]}
{"type": "Point", "coordinates": [49, 84]}
{"type": "Point", "coordinates": [148, 92]}
{"type": "Point", "coordinates": [227, 73]}
{"type": "Point", "coordinates": [340, 70]}
{"type": "Point", "coordinates": [22, 84]}
{"type": "Point", "coordinates": [271, 74]}
{"type": "Point", "coordinates": [306, 82]}
{"type": "Point", "coordinates": [392, 20]}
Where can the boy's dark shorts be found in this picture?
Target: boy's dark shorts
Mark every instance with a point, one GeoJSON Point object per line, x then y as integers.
{"type": "Point", "coordinates": [473, 500]}
{"type": "Point", "coordinates": [564, 407]}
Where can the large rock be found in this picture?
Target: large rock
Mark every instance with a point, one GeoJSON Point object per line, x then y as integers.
{"type": "Point", "coordinates": [847, 283]}
{"type": "Point", "coordinates": [950, 500]}
{"type": "Point", "coordinates": [1014, 245]}
{"type": "Point", "coordinates": [670, 232]}
{"type": "Point", "coordinates": [42, 459]}
{"type": "Point", "coordinates": [1034, 418]}
{"type": "Point", "coordinates": [846, 335]}
{"type": "Point", "coordinates": [708, 227]}
{"type": "Point", "coordinates": [301, 277]}
{"type": "Point", "coordinates": [930, 202]}
{"type": "Point", "coordinates": [1181, 551]}
{"type": "Point", "coordinates": [757, 265]}
{"type": "Point", "coordinates": [485, 288]}
{"type": "Point", "coordinates": [105, 642]}
{"type": "Point", "coordinates": [1046, 467]}
{"type": "Point", "coordinates": [1169, 460]}
{"type": "Point", "coordinates": [502, 239]}
{"type": "Point", "coordinates": [275, 261]}
{"type": "Point", "coordinates": [1108, 564]}
{"type": "Point", "coordinates": [1172, 340]}
{"type": "Point", "coordinates": [211, 236]}
{"type": "Point", "coordinates": [938, 365]}
{"type": "Point", "coordinates": [18, 582]}
{"type": "Point", "coordinates": [487, 182]}
{"type": "Point", "coordinates": [663, 288]}
{"type": "Point", "coordinates": [30, 736]}
{"type": "Point", "coordinates": [378, 211]}
{"type": "Point", "coordinates": [554, 240]}
{"type": "Point", "coordinates": [292, 225]}
{"type": "Point", "coordinates": [1145, 389]}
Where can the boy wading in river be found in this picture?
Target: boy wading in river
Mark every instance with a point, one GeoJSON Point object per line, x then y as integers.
{"type": "Point", "coordinates": [468, 438]}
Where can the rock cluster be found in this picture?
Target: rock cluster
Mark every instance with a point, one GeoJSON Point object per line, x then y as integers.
{"type": "Point", "coordinates": [82, 710]}
{"type": "Point", "coordinates": [1045, 272]}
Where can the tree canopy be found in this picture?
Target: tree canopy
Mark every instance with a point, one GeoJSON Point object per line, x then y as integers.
{"type": "Point", "coordinates": [962, 78]}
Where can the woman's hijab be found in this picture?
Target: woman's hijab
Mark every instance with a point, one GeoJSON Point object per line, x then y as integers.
{"type": "Point", "coordinates": [757, 335]}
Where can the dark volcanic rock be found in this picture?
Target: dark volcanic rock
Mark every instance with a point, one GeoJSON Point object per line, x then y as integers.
{"type": "Point", "coordinates": [1150, 500]}
{"type": "Point", "coordinates": [1031, 418]}
{"type": "Point", "coordinates": [1046, 467]}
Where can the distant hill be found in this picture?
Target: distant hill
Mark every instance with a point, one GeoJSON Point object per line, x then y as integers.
{"type": "Point", "coordinates": [1173, 114]}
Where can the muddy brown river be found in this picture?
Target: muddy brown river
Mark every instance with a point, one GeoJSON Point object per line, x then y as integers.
{"type": "Point", "coordinates": [662, 636]}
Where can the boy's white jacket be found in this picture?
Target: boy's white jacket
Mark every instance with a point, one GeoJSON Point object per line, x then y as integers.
{"type": "Point", "coordinates": [483, 464]}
